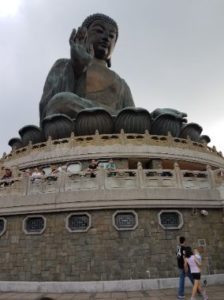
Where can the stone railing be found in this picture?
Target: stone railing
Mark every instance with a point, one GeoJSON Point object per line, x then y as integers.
{"type": "Point", "coordinates": [121, 179]}
{"type": "Point", "coordinates": [110, 139]}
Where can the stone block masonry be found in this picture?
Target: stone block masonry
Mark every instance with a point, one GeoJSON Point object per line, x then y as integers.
{"type": "Point", "coordinates": [102, 252]}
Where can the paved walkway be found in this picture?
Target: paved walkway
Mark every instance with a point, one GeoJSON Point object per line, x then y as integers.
{"type": "Point", "coordinates": [213, 292]}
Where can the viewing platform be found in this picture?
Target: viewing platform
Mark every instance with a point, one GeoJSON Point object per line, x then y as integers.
{"type": "Point", "coordinates": [138, 188]}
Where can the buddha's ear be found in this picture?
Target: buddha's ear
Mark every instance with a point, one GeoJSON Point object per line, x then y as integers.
{"type": "Point", "coordinates": [108, 62]}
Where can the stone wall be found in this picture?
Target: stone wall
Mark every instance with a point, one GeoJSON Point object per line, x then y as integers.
{"type": "Point", "coordinates": [103, 252]}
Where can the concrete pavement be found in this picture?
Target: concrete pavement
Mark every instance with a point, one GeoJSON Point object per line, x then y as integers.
{"type": "Point", "coordinates": [214, 292]}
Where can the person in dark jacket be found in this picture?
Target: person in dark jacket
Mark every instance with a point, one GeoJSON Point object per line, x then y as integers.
{"type": "Point", "coordinates": [180, 262]}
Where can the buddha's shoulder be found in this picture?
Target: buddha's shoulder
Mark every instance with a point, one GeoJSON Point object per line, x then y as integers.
{"type": "Point", "coordinates": [62, 62]}
{"type": "Point", "coordinates": [60, 66]}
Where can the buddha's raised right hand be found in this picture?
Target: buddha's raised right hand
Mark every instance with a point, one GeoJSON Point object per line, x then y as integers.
{"type": "Point", "coordinates": [81, 50]}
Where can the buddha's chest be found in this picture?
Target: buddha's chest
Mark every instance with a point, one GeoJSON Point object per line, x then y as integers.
{"type": "Point", "coordinates": [98, 78]}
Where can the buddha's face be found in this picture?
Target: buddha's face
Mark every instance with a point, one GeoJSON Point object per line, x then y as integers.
{"type": "Point", "coordinates": [103, 38]}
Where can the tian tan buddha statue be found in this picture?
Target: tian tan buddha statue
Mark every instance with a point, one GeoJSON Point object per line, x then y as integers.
{"type": "Point", "coordinates": [85, 80]}
{"type": "Point", "coordinates": [82, 94]}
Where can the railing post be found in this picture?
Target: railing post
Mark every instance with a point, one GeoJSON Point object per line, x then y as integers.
{"type": "Point", "coordinates": [141, 178]}
{"type": "Point", "coordinates": [49, 143]}
{"type": "Point", "coordinates": [72, 140]}
{"type": "Point", "coordinates": [26, 184]}
{"type": "Point", "coordinates": [62, 178]}
{"type": "Point", "coordinates": [211, 177]}
{"type": "Point", "coordinates": [122, 137]}
{"type": "Point", "coordinates": [101, 176]}
{"type": "Point", "coordinates": [178, 175]}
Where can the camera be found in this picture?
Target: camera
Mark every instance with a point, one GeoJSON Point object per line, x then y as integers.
{"type": "Point", "coordinates": [204, 212]}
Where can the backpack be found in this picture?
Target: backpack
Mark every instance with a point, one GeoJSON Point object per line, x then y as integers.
{"type": "Point", "coordinates": [180, 253]}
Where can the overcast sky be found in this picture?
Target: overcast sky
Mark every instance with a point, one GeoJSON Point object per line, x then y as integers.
{"type": "Point", "coordinates": [170, 52]}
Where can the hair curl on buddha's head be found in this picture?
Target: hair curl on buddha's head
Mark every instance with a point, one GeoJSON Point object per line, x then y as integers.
{"type": "Point", "coordinates": [101, 17]}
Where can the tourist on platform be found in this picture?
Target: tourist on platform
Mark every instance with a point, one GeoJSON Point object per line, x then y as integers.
{"type": "Point", "coordinates": [92, 168]}
{"type": "Point", "coordinates": [37, 175]}
{"type": "Point", "coordinates": [111, 168]}
{"type": "Point", "coordinates": [27, 173]}
{"type": "Point", "coordinates": [6, 178]}
{"type": "Point", "coordinates": [53, 176]}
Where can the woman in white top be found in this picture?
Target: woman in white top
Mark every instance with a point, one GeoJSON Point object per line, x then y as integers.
{"type": "Point", "coordinates": [36, 176]}
{"type": "Point", "coordinates": [193, 261]}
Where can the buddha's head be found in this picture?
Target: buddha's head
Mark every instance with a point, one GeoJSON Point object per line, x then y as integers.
{"type": "Point", "coordinates": [102, 34]}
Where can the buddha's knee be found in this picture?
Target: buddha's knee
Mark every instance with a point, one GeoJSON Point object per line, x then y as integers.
{"type": "Point", "coordinates": [63, 103]}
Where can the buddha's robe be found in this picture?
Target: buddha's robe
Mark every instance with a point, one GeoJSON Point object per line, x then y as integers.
{"type": "Point", "coordinates": [98, 86]}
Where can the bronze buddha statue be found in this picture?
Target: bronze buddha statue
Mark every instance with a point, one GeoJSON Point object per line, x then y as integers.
{"type": "Point", "coordinates": [85, 80]}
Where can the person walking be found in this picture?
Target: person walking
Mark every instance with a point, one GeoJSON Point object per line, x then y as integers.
{"type": "Point", "coordinates": [193, 261]}
{"type": "Point", "coordinates": [181, 248]}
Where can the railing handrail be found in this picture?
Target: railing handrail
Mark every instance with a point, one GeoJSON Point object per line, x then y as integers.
{"type": "Point", "coordinates": [172, 178]}
{"type": "Point", "coordinates": [121, 138]}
